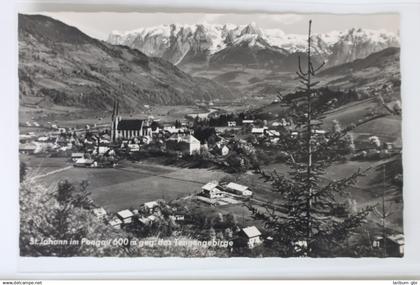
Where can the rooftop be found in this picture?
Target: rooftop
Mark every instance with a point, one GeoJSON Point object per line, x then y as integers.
{"type": "Point", "coordinates": [151, 205]}
{"type": "Point", "coordinates": [130, 124]}
{"type": "Point", "coordinates": [125, 214]}
{"type": "Point", "coordinates": [251, 231]}
{"type": "Point", "coordinates": [210, 186]}
{"type": "Point", "coordinates": [99, 211]}
{"type": "Point", "coordinates": [237, 187]}
{"type": "Point", "coordinates": [187, 138]}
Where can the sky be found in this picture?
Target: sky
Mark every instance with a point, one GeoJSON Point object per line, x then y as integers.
{"type": "Point", "coordinates": [100, 24]}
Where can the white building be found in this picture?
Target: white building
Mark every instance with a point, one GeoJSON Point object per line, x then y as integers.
{"type": "Point", "coordinates": [99, 212]}
{"type": "Point", "coordinates": [115, 223]}
{"type": "Point", "coordinates": [253, 235]}
{"type": "Point", "coordinates": [126, 216]}
{"type": "Point", "coordinates": [238, 189]}
{"type": "Point", "coordinates": [183, 143]}
{"type": "Point", "coordinates": [77, 155]}
{"type": "Point", "coordinates": [211, 190]}
{"type": "Point", "coordinates": [258, 131]}
{"type": "Point", "coordinates": [150, 206]}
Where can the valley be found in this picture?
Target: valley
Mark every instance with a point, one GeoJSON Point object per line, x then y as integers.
{"type": "Point", "coordinates": [207, 130]}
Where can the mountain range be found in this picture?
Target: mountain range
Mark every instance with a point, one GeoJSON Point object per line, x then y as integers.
{"type": "Point", "coordinates": [60, 65]}
{"type": "Point", "coordinates": [212, 45]}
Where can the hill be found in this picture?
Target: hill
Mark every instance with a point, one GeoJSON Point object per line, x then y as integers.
{"type": "Point", "coordinates": [383, 59]}
{"type": "Point", "coordinates": [60, 65]}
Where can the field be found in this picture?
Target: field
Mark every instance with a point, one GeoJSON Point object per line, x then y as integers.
{"type": "Point", "coordinates": [128, 185]}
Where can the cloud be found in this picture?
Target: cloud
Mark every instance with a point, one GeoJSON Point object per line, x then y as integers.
{"type": "Point", "coordinates": [211, 18]}
{"type": "Point", "coordinates": [286, 19]}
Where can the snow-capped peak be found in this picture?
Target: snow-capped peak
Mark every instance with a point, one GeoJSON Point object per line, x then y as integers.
{"type": "Point", "coordinates": [175, 40]}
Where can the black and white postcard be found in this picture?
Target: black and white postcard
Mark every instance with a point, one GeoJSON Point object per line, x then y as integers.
{"type": "Point", "coordinates": [202, 134]}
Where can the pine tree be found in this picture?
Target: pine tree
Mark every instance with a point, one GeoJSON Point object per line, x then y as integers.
{"type": "Point", "coordinates": [310, 220]}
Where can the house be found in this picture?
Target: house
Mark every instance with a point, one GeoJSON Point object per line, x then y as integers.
{"type": "Point", "coordinates": [273, 135]}
{"type": "Point", "coordinates": [388, 146]}
{"type": "Point", "coordinates": [258, 131]}
{"type": "Point", "coordinates": [115, 223]}
{"type": "Point", "coordinates": [294, 134]}
{"type": "Point", "coordinates": [126, 216]}
{"type": "Point", "coordinates": [29, 148]}
{"type": "Point", "coordinates": [103, 149]}
{"type": "Point", "coordinates": [185, 144]}
{"type": "Point", "coordinates": [99, 212]}
{"type": "Point", "coordinates": [300, 246]}
{"type": "Point", "coordinates": [211, 190]}
{"type": "Point", "coordinates": [253, 236]}
{"type": "Point", "coordinates": [179, 217]}
{"type": "Point", "coordinates": [84, 162]}
{"type": "Point", "coordinates": [173, 129]}
{"type": "Point", "coordinates": [148, 220]}
{"type": "Point", "coordinates": [151, 206]}
{"type": "Point", "coordinates": [394, 244]}
{"type": "Point", "coordinates": [77, 155]}
{"type": "Point", "coordinates": [231, 124]}
{"type": "Point", "coordinates": [43, 139]}
{"type": "Point", "coordinates": [319, 132]}
{"type": "Point", "coordinates": [244, 122]}
{"type": "Point", "coordinates": [220, 149]}
{"type": "Point", "coordinates": [238, 189]}
{"type": "Point", "coordinates": [133, 147]}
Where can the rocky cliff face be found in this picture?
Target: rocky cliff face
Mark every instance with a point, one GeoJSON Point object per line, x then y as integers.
{"type": "Point", "coordinates": [181, 44]}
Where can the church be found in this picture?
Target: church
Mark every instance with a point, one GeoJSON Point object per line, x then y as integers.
{"type": "Point", "coordinates": [127, 129]}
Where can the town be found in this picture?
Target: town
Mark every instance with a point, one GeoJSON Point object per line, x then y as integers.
{"type": "Point", "coordinates": [213, 135]}
{"type": "Point", "coordinates": [225, 142]}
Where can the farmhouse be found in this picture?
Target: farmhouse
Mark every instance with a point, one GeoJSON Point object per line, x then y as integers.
{"type": "Point", "coordinates": [29, 148]}
{"type": "Point", "coordinates": [394, 244]}
{"type": "Point", "coordinates": [84, 162]}
{"type": "Point", "coordinates": [211, 190]}
{"type": "Point", "coordinates": [253, 236]}
{"type": "Point", "coordinates": [183, 143]}
{"type": "Point", "coordinates": [221, 149]}
{"type": "Point", "coordinates": [258, 131]}
{"type": "Point", "coordinates": [148, 220]}
{"type": "Point", "coordinates": [126, 216]}
{"type": "Point", "coordinates": [151, 206]}
{"type": "Point", "coordinates": [115, 223]}
{"type": "Point", "coordinates": [77, 155]}
{"type": "Point", "coordinates": [99, 212]}
{"type": "Point", "coordinates": [238, 189]}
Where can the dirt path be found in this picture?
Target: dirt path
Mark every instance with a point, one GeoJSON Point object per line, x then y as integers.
{"type": "Point", "coordinates": [53, 172]}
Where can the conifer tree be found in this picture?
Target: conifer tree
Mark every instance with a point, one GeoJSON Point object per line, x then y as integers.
{"type": "Point", "coordinates": [310, 220]}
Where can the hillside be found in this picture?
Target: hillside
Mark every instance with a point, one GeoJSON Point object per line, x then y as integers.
{"type": "Point", "coordinates": [60, 65]}
{"type": "Point", "coordinates": [367, 74]}
{"type": "Point", "coordinates": [382, 59]}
